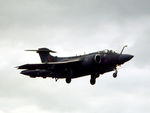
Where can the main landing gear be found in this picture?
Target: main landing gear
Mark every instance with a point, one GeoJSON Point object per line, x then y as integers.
{"type": "Point", "coordinates": [115, 73]}
{"type": "Point", "coordinates": [93, 78]}
{"type": "Point", "coordinates": [68, 80]}
{"type": "Point", "coordinates": [69, 75]}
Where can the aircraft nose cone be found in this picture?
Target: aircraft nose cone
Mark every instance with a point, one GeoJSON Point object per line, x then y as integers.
{"type": "Point", "coordinates": [124, 58]}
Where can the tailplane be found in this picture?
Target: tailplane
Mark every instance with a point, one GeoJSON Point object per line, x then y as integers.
{"type": "Point", "coordinates": [45, 55]}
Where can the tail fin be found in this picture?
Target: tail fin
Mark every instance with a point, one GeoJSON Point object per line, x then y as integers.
{"type": "Point", "coordinates": [45, 55]}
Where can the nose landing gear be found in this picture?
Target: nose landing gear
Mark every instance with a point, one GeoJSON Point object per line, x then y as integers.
{"type": "Point", "coordinates": [115, 73]}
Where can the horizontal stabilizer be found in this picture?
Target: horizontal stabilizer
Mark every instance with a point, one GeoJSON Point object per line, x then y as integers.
{"type": "Point", "coordinates": [43, 50]}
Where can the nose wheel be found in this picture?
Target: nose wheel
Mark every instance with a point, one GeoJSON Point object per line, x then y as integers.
{"type": "Point", "coordinates": [115, 73]}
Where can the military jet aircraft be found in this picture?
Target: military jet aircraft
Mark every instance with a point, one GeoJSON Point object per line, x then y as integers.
{"type": "Point", "coordinates": [93, 64]}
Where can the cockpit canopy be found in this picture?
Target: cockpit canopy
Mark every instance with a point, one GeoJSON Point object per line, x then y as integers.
{"type": "Point", "coordinates": [106, 51]}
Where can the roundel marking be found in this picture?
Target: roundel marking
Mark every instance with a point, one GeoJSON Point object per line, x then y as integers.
{"type": "Point", "coordinates": [49, 58]}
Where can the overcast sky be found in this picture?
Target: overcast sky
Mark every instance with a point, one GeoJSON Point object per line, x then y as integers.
{"type": "Point", "coordinates": [73, 27]}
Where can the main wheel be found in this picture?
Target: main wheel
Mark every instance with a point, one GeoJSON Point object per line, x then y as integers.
{"type": "Point", "coordinates": [92, 81]}
{"type": "Point", "coordinates": [68, 80]}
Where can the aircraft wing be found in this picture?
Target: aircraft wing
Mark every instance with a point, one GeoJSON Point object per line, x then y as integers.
{"type": "Point", "coordinates": [50, 65]}
{"type": "Point", "coordinates": [66, 62]}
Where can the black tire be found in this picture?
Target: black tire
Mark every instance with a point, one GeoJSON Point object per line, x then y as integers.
{"type": "Point", "coordinates": [92, 81]}
{"type": "Point", "coordinates": [114, 75]}
{"type": "Point", "coordinates": [68, 80]}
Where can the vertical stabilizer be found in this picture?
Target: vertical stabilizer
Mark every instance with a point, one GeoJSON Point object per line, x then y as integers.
{"type": "Point", "coordinates": [45, 55]}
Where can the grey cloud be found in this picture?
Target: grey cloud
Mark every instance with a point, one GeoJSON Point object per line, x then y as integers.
{"type": "Point", "coordinates": [70, 12]}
